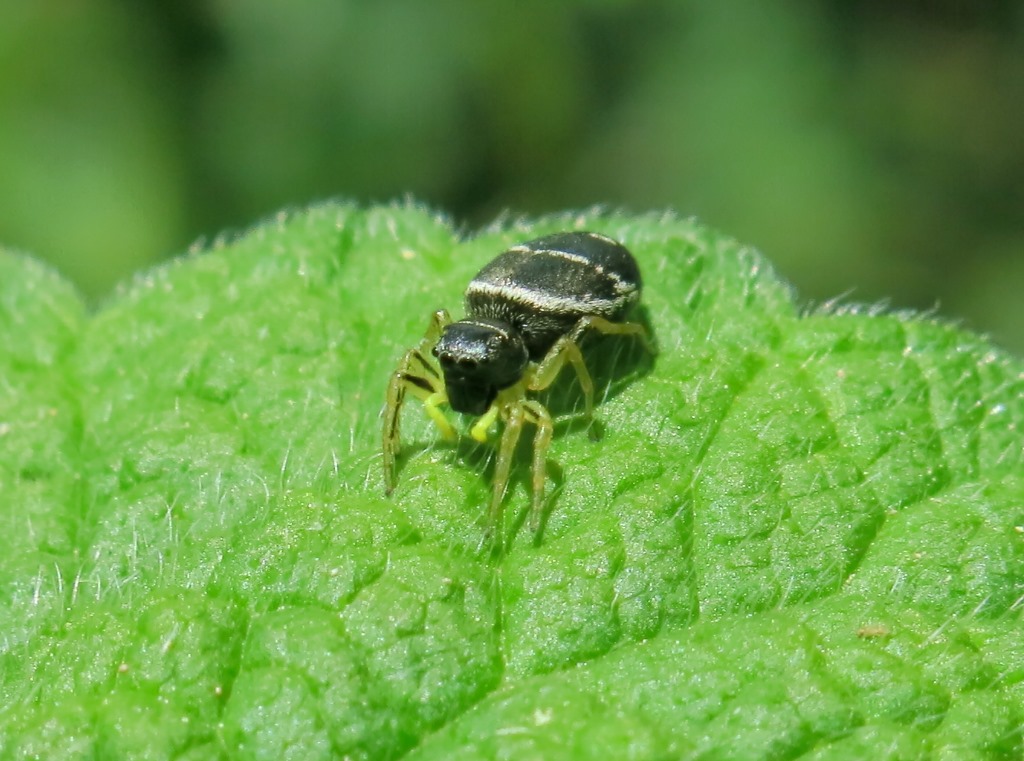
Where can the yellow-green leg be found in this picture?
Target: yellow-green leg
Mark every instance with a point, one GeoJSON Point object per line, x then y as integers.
{"type": "Point", "coordinates": [609, 328]}
{"type": "Point", "coordinates": [566, 350]}
{"type": "Point", "coordinates": [516, 413]}
{"type": "Point", "coordinates": [503, 467]}
{"type": "Point", "coordinates": [541, 418]}
{"type": "Point", "coordinates": [544, 374]}
{"type": "Point", "coordinates": [417, 375]}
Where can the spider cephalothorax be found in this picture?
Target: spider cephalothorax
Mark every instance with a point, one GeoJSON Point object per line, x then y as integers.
{"type": "Point", "coordinates": [478, 358]}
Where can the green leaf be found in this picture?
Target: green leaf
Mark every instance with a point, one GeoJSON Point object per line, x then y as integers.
{"type": "Point", "coordinates": [800, 535]}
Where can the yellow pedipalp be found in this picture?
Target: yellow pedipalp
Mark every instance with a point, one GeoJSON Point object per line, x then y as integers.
{"type": "Point", "coordinates": [483, 425]}
{"type": "Point", "coordinates": [432, 404]}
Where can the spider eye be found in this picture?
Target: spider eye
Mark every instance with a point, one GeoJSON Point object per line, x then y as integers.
{"type": "Point", "coordinates": [467, 363]}
{"type": "Point", "coordinates": [444, 357]}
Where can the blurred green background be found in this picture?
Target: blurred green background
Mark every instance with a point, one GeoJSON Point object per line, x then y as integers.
{"type": "Point", "coordinates": [869, 149]}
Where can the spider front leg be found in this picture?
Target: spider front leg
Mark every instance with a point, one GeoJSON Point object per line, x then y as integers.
{"type": "Point", "coordinates": [417, 375]}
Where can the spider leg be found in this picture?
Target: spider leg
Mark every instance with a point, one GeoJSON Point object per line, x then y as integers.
{"type": "Point", "coordinates": [417, 375]}
{"type": "Point", "coordinates": [506, 449]}
{"type": "Point", "coordinates": [565, 349]}
{"type": "Point", "coordinates": [541, 418]}
{"type": "Point", "coordinates": [609, 328]}
{"type": "Point", "coordinates": [517, 412]}
{"type": "Point", "coordinates": [439, 320]}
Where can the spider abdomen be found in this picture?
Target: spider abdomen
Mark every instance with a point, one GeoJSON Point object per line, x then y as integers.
{"type": "Point", "coordinates": [542, 288]}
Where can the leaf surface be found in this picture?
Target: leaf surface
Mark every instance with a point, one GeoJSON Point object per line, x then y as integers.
{"type": "Point", "coordinates": [800, 535]}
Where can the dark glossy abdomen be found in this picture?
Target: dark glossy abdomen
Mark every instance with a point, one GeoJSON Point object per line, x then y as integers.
{"type": "Point", "coordinates": [542, 288]}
